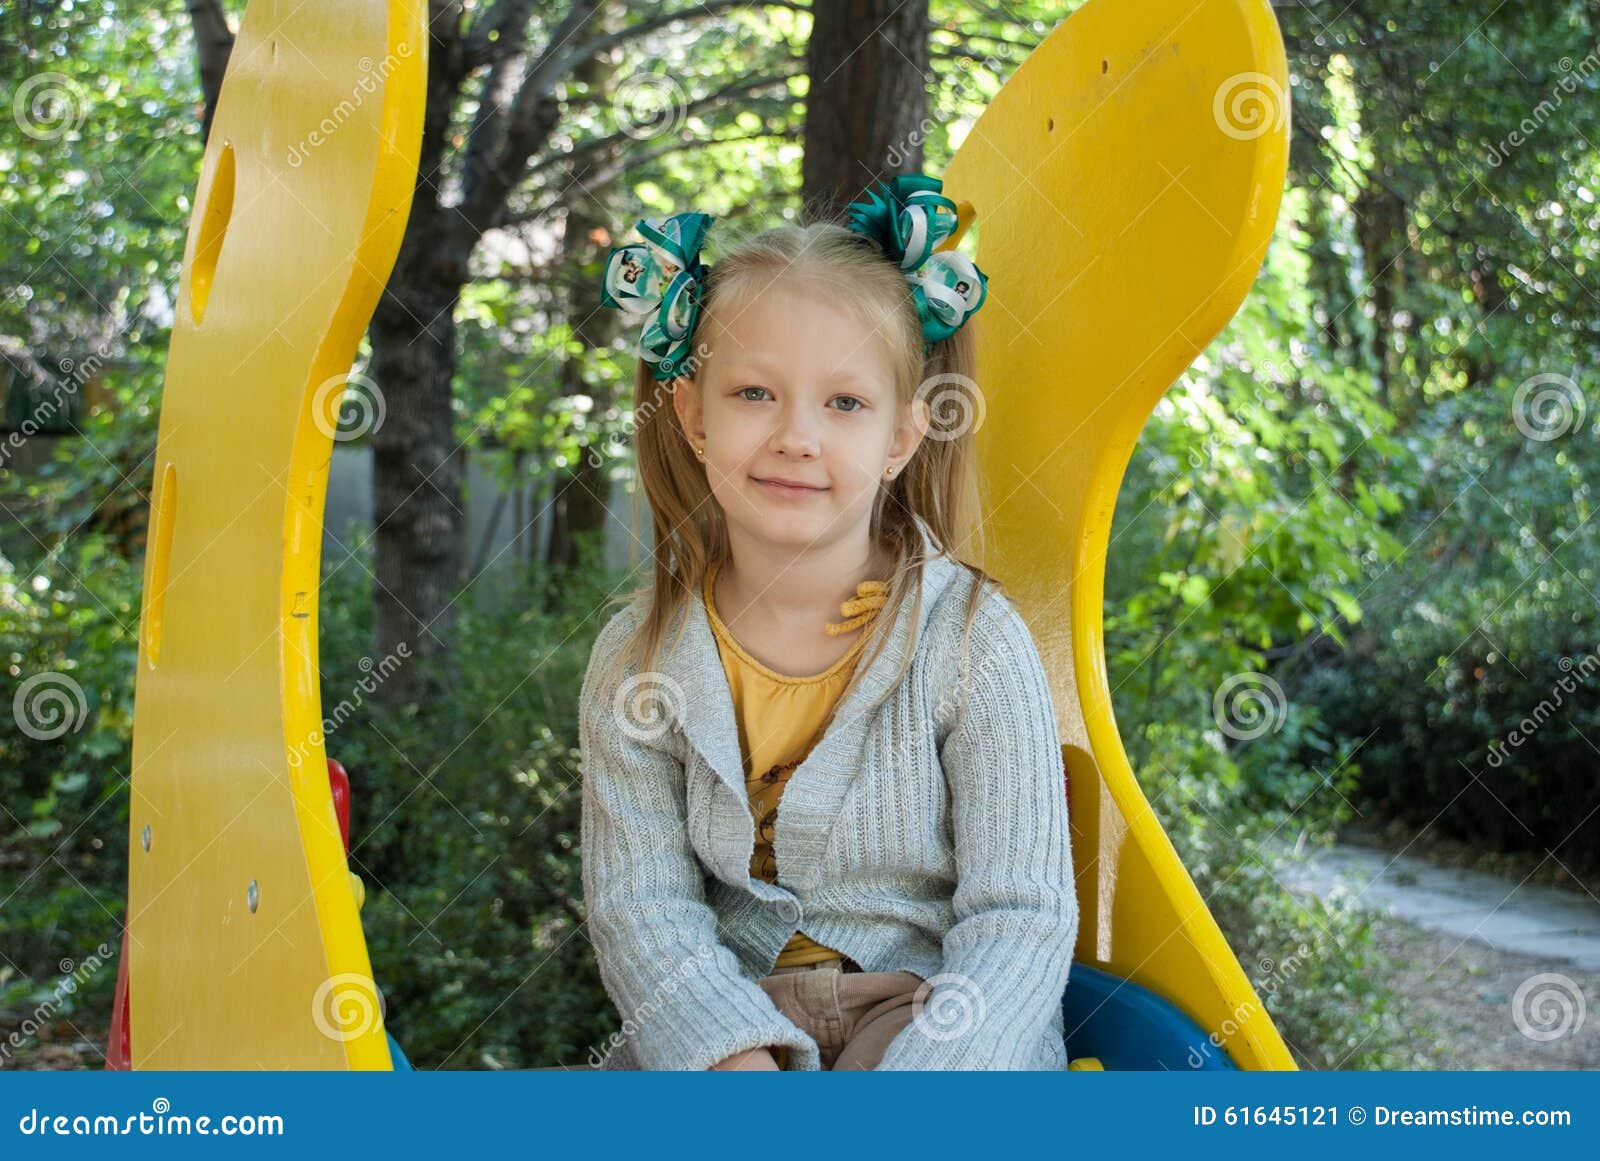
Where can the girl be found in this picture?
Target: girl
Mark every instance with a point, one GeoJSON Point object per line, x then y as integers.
{"type": "Point", "coordinates": [800, 852]}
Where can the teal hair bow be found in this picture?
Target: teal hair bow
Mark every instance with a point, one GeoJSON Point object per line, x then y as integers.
{"type": "Point", "coordinates": [908, 217]}
{"type": "Point", "coordinates": [660, 283]}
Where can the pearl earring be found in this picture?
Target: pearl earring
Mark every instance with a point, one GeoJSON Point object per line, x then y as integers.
{"type": "Point", "coordinates": [701, 452]}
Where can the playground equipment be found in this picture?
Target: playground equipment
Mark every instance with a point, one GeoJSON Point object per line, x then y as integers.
{"type": "Point", "coordinates": [1125, 181]}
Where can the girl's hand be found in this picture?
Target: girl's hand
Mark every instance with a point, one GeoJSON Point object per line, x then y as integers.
{"type": "Point", "coordinates": [750, 1060]}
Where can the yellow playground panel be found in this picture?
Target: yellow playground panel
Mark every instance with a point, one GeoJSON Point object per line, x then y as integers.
{"type": "Point", "coordinates": [1125, 183]}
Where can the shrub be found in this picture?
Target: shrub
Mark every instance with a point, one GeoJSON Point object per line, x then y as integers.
{"type": "Point", "coordinates": [1483, 727]}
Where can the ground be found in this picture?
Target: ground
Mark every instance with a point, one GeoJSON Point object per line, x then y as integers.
{"type": "Point", "coordinates": [1462, 1007]}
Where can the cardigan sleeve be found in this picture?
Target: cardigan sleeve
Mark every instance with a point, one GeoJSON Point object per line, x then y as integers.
{"type": "Point", "coordinates": [1006, 959]}
{"type": "Point", "coordinates": [684, 999]}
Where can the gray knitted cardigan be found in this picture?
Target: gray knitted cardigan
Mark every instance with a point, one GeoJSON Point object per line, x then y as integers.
{"type": "Point", "coordinates": [911, 838]}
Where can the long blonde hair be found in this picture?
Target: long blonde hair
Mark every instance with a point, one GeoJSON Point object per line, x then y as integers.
{"type": "Point", "coordinates": [938, 484]}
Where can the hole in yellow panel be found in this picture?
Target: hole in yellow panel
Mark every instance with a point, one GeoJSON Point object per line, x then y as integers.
{"type": "Point", "coordinates": [213, 228]}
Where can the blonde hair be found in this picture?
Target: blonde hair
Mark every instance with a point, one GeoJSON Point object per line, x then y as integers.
{"type": "Point", "coordinates": [938, 484]}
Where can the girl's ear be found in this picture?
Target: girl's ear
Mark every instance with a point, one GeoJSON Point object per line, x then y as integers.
{"type": "Point", "coordinates": [686, 402]}
{"type": "Point", "coordinates": [915, 421]}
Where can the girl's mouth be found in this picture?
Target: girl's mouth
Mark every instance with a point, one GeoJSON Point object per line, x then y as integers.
{"type": "Point", "coordinates": [787, 490]}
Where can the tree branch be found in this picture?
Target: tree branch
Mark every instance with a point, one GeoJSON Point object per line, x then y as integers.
{"type": "Point", "coordinates": [213, 44]}
{"type": "Point", "coordinates": [488, 175]}
{"type": "Point", "coordinates": [611, 39]}
{"type": "Point", "coordinates": [635, 161]}
{"type": "Point", "coordinates": [597, 143]}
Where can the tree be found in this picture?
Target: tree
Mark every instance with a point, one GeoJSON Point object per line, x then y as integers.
{"type": "Point", "coordinates": [866, 108]}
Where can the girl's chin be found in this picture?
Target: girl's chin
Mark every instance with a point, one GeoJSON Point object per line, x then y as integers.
{"type": "Point", "coordinates": [792, 525]}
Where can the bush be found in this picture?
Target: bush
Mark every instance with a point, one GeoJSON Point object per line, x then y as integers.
{"type": "Point", "coordinates": [1484, 728]}
{"type": "Point", "coordinates": [68, 636]}
{"type": "Point", "coordinates": [464, 827]}
{"type": "Point", "coordinates": [1233, 816]}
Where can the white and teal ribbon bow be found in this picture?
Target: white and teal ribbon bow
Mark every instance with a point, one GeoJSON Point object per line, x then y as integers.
{"type": "Point", "coordinates": [908, 216]}
{"type": "Point", "coordinates": [660, 283]}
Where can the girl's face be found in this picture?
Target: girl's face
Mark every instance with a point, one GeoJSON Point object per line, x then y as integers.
{"type": "Point", "coordinates": [795, 388]}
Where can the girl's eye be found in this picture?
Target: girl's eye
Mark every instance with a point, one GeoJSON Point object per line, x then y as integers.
{"type": "Point", "coordinates": [848, 403]}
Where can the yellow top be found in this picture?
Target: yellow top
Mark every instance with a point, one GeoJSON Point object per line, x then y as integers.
{"type": "Point", "coordinates": [788, 713]}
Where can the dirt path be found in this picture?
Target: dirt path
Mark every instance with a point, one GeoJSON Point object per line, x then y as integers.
{"type": "Point", "coordinates": [1460, 999]}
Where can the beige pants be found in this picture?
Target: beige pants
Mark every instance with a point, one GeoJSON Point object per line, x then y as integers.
{"type": "Point", "coordinates": [853, 1015]}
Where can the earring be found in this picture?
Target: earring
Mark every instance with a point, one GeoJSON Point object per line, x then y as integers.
{"type": "Point", "coordinates": [889, 475]}
{"type": "Point", "coordinates": [701, 452]}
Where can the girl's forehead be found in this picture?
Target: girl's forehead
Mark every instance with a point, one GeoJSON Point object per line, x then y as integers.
{"type": "Point", "coordinates": [784, 298]}
{"type": "Point", "coordinates": [786, 324]}
{"type": "Point", "coordinates": [822, 359]}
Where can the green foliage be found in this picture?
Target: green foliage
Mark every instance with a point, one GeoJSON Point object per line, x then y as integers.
{"type": "Point", "coordinates": [1480, 714]}
{"type": "Point", "coordinates": [464, 827]}
{"type": "Point", "coordinates": [68, 643]}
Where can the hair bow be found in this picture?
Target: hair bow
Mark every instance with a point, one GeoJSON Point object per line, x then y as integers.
{"type": "Point", "coordinates": [909, 217]}
{"type": "Point", "coordinates": [659, 283]}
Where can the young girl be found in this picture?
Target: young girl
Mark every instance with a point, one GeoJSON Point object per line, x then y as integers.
{"type": "Point", "coordinates": [800, 852]}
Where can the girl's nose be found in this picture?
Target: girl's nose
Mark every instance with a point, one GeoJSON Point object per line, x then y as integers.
{"type": "Point", "coordinates": [796, 435]}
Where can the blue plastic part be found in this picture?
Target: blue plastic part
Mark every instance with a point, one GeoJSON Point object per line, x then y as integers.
{"type": "Point", "coordinates": [398, 1058]}
{"type": "Point", "coordinates": [1130, 1028]}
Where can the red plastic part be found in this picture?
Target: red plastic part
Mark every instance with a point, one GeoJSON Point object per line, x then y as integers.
{"type": "Point", "coordinates": [339, 783]}
{"type": "Point", "coordinates": [119, 1058]}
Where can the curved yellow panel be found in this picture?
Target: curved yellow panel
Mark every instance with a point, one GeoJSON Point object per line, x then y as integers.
{"type": "Point", "coordinates": [1125, 184]}
{"type": "Point", "coordinates": [245, 948]}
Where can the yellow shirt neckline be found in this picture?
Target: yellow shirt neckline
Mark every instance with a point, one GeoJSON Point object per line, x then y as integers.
{"type": "Point", "coordinates": [870, 596]}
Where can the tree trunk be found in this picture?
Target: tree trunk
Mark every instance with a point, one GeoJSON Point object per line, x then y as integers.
{"type": "Point", "coordinates": [578, 512]}
{"type": "Point", "coordinates": [866, 110]}
{"type": "Point", "coordinates": [417, 504]}
{"type": "Point", "coordinates": [213, 45]}
{"type": "Point", "coordinates": [1381, 231]}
